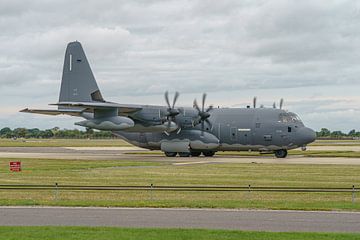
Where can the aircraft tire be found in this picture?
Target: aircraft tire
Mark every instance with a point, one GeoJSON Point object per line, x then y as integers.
{"type": "Point", "coordinates": [184, 154]}
{"type": "Point", "coordinates": [208, 153]}
{"type": "Point", "coordinates": [170, 154]}
{"type": "Point", "coordinates": [195, 154]}
{"type": "Point", "coordinates": [282, 153]}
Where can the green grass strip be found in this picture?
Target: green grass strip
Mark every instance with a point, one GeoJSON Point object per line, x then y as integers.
{"type": "Point", "coordinates": [109, 233]}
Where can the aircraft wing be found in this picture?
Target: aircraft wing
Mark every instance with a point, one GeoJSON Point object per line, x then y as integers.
{"type": "Point", "coordinates": [123, 108]}
{"type": "Point", "coordinates": [71, 112]}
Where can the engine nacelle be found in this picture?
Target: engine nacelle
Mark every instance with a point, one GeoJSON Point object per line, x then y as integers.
{"type": "Point", "coordinates": [108, 123]}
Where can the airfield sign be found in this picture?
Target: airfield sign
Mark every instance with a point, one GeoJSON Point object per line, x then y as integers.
{"type": "Point", "coordinates": [15, 166]}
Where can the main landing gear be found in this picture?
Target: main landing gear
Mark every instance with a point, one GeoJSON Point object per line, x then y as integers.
{"type": "Point", "coordinates": [282, 153]}
{"type": "Point", "coordinates": [170, 154]}
{"type": "Point", "coordinates": [192, 154]}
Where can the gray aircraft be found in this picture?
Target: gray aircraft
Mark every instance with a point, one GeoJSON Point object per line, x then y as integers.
{"type": "Point", "coordinates": [176, 130]}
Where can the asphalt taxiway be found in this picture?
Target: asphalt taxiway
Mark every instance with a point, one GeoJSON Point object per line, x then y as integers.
{"type": "Point", "coordinates": [255, 220]}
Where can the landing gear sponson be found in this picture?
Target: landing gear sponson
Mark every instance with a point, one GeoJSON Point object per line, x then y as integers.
{"type": "Point", "coordinates": [282, 153]}
{"type": "Point", "coordinates": [192, 154]}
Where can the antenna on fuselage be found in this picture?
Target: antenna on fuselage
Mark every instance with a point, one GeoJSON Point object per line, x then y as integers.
{"type": "Point", "coordinates": [254, 102]}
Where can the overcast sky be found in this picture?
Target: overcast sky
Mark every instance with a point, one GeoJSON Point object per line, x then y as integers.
{"type": "Point", "coordinates": [304, 51]}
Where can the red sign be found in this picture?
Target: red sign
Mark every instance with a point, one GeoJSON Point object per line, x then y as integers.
{"type": "Point", "coordinates": [15, 166]}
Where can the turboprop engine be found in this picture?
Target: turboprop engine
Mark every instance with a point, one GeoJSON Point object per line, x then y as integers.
{"type": "Point", "coordinates": [108, 123]}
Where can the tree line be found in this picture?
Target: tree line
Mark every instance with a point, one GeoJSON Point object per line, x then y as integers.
{"type": "Point", "coordinates": [52, 133]}
{"type": "Point", "coordinates": [90, 133]}
{"type": "Point", "coordinates": [326, 133]}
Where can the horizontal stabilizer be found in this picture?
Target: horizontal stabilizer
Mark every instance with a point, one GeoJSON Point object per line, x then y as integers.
{"type": "Point", "coordinates": [122, 108]}
{"type": "Point", "coordinates": [71, 112]}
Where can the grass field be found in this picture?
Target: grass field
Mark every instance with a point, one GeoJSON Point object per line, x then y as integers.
{"type": "Point", "coordinates": [336, 143]}
{"type": "Point", "coordinates": [110, 233]}
{"type": "Point", "coordinates": [84, 172]}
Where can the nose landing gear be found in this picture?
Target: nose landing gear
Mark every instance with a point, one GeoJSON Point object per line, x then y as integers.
{"type": "Point", "coordinates": [281, 153]}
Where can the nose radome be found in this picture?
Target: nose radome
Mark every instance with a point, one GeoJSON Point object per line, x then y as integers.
{"type": "Point", "coordinates": [307, 135]}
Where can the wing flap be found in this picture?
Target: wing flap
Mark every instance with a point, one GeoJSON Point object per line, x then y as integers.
{"type": "Point", "coordinates": [123, 108]}
{"type": "Point", "coordinates": [71, 112]}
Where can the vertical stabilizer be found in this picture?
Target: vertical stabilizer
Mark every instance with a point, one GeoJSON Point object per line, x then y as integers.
{"type": "Point", "coordinates": [78, 82]}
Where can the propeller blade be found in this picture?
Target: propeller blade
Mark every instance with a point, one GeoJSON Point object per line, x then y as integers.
{"type": "Point", "coordinates": [281, 103]}
{"type": "Point", "coordinates": [175, 98]}
{"type": "Point", "coordinates": [203, 101]}
{"type": "Point", "coordinates": [254, 102]}
{"type": "Point", "coordinates": [274, 105]}
{"type": "Point", "coordinates": [196, 106]}
{"type": "Point", "coordinates": [202, 128]}
{"type": "Point", "coordinates": [167, 98]}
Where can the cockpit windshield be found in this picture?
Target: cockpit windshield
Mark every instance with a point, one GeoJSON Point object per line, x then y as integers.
{"type": "Point", "coordinates": [289, 117]}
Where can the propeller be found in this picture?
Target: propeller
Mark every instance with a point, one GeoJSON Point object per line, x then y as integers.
{"type": "Point", "coordinates": [203, 114]}
{"type": "Point", "coordinates": [254, 102]}
{"type": "Point", "coordinates": [171, 110]}
{"type": "Point", "coordinates": [281, 103]}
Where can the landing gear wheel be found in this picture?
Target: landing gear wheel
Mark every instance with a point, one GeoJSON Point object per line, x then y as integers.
{"type": "Point", "coordinates": [195, 154]}
{"type": "Point", "coordinates": [184, 154]}
{"type": "Point", "coordinates": [282, 153]}
{"type": "Point", "coordinates": [170, 154]}
{"type": "Point", "coordinates": [208, 153]}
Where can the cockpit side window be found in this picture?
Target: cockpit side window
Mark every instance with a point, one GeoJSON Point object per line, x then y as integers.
{"type": "Point", "coordinates": [289, 117]}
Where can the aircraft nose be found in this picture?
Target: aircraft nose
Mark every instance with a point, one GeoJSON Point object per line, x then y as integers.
{"type": "Point", "coordinates": [307, 135]}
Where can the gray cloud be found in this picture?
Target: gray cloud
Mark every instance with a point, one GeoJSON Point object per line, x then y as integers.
{"type": "Point", "coordinates": [139, 49]}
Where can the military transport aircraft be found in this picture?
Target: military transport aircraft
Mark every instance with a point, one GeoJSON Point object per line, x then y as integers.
{"type": "Point", "coordinates": [175, 130]}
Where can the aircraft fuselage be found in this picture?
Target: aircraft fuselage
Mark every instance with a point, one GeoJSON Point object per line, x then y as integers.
{"type": "Point", "coordinates": [232, 129]}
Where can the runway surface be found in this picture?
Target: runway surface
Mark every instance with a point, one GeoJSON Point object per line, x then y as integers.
{"type": "Point", "coordinates": [257, 220]}
{"type": "Point", "coordinates": [134, 153]}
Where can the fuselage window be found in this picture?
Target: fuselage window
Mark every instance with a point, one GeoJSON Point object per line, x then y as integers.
{"type": "Point", "coordinates": [289, 129]}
